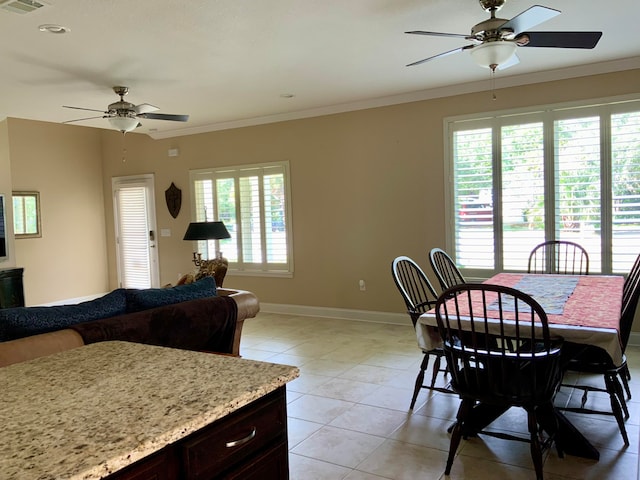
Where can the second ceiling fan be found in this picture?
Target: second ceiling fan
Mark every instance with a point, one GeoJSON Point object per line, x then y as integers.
{"type": "Point", "coordinates": [494, 41]}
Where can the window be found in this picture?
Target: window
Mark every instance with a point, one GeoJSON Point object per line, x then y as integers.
{"type": "Point", "coordinates": [26, 214]}
{"type": "Point", "coordinates": [253, 202]}
{"type": "Point", "coordinates": [559, 173]}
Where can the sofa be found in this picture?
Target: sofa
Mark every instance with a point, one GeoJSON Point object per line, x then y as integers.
{"type": "Point", "coordinates": [197, 316]}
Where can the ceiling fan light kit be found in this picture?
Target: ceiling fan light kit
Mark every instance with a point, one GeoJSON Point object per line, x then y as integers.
{"type": "Point", "coordinates": [124, 124]}
{"type": "Point", "coordinates": [495, 40]}
{"type": "Point", "coordinates": [493, 54]}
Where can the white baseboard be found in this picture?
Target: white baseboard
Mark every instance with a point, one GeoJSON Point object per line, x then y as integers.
{"type": "Point", "coordinates": [72, 301]}
{"type": "Point", "coordinates": [341, 313]}
{"type": "Point", "coordinates": [362, 315]}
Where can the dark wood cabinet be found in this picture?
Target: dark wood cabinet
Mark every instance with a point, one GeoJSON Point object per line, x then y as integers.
{"type": "Point", "coordinates": [248, 444]}
{"type": "Point", "coordinates": [160, 466]}
{"type": "Point", "coordinates": [11, 290]}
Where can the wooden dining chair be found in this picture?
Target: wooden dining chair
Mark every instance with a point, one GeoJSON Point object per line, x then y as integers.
{"type": "Point", "coordinates": [559, 256]}
{"type": "Point", "coordinates": [445, 269]}
{"type": "Point", "coordinates": [594, 360]}
{"type": "Point", "coordinates": [419, 297]}
{"type": "Point", "coordinates": [498, 349]}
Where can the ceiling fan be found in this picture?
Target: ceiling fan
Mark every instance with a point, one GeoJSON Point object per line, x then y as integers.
{"type": "Point", "coordinates": [124, 116]}
{"type": "Point", "coordinates": [495, 40]}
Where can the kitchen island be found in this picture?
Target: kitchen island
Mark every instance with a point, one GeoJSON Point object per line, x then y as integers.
{"type": "Point", "coordinates": [126, 410]}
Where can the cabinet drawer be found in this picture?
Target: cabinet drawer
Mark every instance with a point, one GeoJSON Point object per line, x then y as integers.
{"type": "Point", "coordinates": [231, 440]}
{"type": "Point", "coordinates": [273, 464]}
{"type": "Point", "coordinates": [160, 466]}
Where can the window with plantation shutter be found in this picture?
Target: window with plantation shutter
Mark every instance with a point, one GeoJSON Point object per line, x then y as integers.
{"type": "Point", "coordinates": [625, 182]}
{"type": "Point", "coordinates": [253, 202]}
{"type": "Point", "coordinates": [556, 173]}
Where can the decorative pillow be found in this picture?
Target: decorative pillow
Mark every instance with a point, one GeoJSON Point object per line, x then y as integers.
{"type": "Point", "coordinates": [25, 321]}
{"type": "Point", "coordinates": [138, 300]}
{"type": "Point", "coordinates": [186, 279]}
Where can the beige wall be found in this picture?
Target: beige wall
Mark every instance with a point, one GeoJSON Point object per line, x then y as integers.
{"type": "Point", "coordinates": [367, 186]}
{"type": "Point", "coordinates": [64, 164]}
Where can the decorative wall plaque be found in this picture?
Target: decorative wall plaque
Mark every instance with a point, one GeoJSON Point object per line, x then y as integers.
{"type": "Point", "coordinates": [173, 195]}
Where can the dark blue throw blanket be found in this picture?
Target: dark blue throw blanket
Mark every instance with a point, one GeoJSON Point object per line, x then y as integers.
{"type": "Point", "coordinates": [24, 321]}
{"type": "Point", "coordinates": [203, 324]}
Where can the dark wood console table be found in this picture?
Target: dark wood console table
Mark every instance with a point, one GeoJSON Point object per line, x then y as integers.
{"type": "Point", "coordinates": [11, 289]}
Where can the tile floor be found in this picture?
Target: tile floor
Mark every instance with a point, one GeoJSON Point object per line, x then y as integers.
{"type": "Point", "coordinates": [349, 412]}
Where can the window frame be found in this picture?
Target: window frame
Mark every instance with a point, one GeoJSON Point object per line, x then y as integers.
{"type": "Point", "coordinates": [23, 196]}
{"type": "Point", "coordinates": [263, 268]}
{"type": "Point", "coordinates": [548, 114]}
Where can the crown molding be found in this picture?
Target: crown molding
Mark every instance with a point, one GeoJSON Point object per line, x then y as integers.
{"type": "Point", "coordinates": [448, 91]}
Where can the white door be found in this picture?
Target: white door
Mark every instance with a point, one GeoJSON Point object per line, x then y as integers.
{"type": "Point", "coordinates": [135, 229]}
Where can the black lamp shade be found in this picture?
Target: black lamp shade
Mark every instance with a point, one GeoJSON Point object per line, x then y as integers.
{"type": "Point", "coordinates": [206, 231]}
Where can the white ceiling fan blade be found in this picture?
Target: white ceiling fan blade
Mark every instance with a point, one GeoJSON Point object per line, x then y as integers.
{"type": "Point", "coordinates": [530, 18]}
{"type": "Point", "coordinates": [82, 119]}
{"type": "Point", "coordinates": [438, 34]}
{"type": "Point", "coordinates": [145, 108]}
{"type": "Point", "coordinates": [82, 108]}
{"type": "Point", "coordinates": [443, 54]}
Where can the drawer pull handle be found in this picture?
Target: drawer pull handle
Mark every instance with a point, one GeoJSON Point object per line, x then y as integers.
{"type": "Point", "coordinates": [242, 441]}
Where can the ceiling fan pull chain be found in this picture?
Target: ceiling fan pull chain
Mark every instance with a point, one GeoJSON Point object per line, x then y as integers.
{"type": "Point", "coordinates": [124, 150]}
{"type": "Point", "coordinates": [492, 72]}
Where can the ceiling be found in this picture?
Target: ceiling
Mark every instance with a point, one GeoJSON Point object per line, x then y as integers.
{"type": "Point", "coordinates": [230, 63]}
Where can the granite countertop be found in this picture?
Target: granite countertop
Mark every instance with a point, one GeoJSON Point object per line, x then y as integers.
{"type": "Point", "coordinates": [90, 411]}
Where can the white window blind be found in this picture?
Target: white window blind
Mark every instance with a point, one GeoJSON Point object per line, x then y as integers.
{"type": "Point", "coordinates": [473, 204]}
{"type": "Point", "coordinates": [570, 173]}
{"type": "Point", "coordinates": [133, 240]}
{"type": "Point", "coordinates": [253, 203]}
{"type": "Point", "coordinates": [25, 219]}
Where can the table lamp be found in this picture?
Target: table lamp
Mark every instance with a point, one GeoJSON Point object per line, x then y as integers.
{"type": "Point", "coordinates": [216, 267]}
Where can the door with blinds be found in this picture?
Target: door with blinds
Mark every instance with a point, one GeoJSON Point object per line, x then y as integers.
{"type": "Point", "coordinates": [135, 230]}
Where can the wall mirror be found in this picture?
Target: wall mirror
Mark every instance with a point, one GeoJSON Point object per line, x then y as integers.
{"type": "Point", "coordinates": [26, 214]}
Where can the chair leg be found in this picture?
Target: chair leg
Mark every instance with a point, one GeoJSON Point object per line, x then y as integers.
{"type": "Point", "coordinates": [456, 435]}
{"type": "Point", "coordinates": [585, 394]}
{"type": "Point", "coordinates": [625, 376]}
{"type": "Point", "coordinates": [619, 393]}
{"type": "Point", "coordinates": [615, 407]}
{"type": "Point", "coordinates": [548, 421]}
{"type": "Point", "coordinates": [536, 450]}
{"type": "Point", "coordinates": [436, 369]}
{"type": "Point", "coordinates": [419, 380]}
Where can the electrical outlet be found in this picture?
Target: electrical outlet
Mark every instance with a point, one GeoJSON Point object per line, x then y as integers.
{"type": "Point", "coordinates": [362, 285]}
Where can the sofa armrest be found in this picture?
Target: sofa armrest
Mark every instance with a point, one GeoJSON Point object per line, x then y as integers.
{"type": "Point", "coordinates": [34, 346]}
{"type": "Point", "coordinates": [248, 307]}
{"type": "Point", "coordinates": [248, 304]}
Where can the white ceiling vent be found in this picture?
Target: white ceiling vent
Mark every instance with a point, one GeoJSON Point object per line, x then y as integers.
{"type": "Point", "coordinates": [21, 6]}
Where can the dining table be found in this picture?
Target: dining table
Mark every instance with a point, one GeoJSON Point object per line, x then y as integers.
{"type": "Point", "coordinates": [583, 309]}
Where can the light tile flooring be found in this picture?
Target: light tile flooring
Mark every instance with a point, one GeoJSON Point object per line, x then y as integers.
{"type": "Point", "coordinates": [349, 412]}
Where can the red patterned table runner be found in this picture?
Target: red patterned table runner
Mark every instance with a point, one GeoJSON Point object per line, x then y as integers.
{"type": "Point", "coordinates": [595, 302]}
